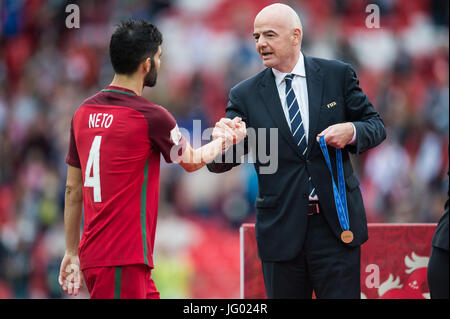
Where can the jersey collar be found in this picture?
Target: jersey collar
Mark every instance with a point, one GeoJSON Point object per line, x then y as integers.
{"type": "Point", "coordinates": [118, 89]}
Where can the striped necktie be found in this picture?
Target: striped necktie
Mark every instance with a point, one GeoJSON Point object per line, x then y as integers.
{"type": "Point", "coordinates": [297, 127]}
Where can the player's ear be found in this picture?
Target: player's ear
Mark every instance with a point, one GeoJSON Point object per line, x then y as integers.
{"type": "Point", "coordinates": [147, 64]}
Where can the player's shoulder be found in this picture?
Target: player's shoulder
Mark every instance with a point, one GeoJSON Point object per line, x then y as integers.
{"type": "Point", "coordinates": [91, 100]}
{"type": "Point", "coordinates": [158, 117]}
{"type": "Point", "coordinates": [151, 110]}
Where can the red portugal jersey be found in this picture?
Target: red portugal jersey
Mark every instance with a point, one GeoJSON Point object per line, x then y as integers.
{"type": "Point", "coordinates": [116, 139]}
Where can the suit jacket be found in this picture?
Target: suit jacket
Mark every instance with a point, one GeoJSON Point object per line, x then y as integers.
{"type": "Point", "coordinates": [281, 204]}
{"type": "Point", "coordinates": [440, 237]}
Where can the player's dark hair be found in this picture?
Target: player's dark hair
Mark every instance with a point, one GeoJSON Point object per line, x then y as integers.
{"type": "Point", "coordinates": [131, 43]}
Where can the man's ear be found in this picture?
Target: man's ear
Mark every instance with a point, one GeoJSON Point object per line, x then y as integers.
{"type": "Point", "coordinates": [147, 64]}
{"type": "Point", "coordinates": [297, 36]}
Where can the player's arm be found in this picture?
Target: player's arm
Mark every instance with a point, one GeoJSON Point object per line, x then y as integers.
{"type": "Point", "coordinates": [70, 274]}
{"type": "Point", "coordinates": [224, 137]}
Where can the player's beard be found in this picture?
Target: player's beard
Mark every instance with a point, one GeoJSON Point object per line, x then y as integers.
{"type": "Point", "coordinates": [151, 76]}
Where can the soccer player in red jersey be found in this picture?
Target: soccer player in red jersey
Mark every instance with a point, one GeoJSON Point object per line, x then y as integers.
{"type": "Point", "coordinates": [116, 140]}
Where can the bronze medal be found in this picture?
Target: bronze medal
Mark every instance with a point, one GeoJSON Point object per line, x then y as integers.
{"type": "Point", "coordinates": [347, 236]}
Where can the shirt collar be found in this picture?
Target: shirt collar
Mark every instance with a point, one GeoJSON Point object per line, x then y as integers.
{"type": "Point", "coordinates": [118, 88]}
{"type": "Point", "coordinates": [299, 69]}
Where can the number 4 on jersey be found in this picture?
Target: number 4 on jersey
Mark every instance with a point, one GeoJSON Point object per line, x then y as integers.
{"type": "Point", "coordinates": [93, 164]}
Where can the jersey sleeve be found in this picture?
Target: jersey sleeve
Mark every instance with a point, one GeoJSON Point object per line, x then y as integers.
{"type": "Point", "coordinates": [165, 135]}
{"type": "Point", "coordinates": [73, 158]}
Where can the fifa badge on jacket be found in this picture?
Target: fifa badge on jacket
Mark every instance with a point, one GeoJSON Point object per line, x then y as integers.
{"type": "Point", "coordinates": [330, 105]}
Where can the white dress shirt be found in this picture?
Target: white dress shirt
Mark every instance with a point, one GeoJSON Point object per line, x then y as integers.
{"type": "Point", "coordinates": [301, 92]}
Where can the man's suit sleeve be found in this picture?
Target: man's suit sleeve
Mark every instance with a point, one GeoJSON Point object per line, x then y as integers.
{"type": "Point", "coordinates": [228, 160]}
{"type": "Point", "coordinates": [370, 130]}
{"type": "Point", "coordinates": [440, 237]}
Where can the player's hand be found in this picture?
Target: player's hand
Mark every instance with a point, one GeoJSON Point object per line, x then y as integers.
{"type": "Point", "coordinates": [230, 131]}
{"type": "Point", "coordinates": [338, 135]}
{"type": "Point", "coordinates": [70, 276]}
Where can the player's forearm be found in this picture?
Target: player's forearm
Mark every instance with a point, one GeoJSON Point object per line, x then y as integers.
{"type": "Point", "coordinates": [210, 151]}
{"type": "Point", "coordinates": [72, 218]}
{"type": "Point", "coordinates": [194, 159]}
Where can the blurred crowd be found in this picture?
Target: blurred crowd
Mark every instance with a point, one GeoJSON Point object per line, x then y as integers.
{"type": "Point", "coordinates": [47, 70]}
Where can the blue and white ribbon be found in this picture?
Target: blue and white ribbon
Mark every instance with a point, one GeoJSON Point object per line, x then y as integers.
{"type": "Point", "coordinates": [340, 197]}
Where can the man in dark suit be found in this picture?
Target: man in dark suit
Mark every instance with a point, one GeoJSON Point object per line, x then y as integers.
{"type": "Point", "coordinates": [438, 265]}
{"type": "Point", "coordinates": [297, 229]}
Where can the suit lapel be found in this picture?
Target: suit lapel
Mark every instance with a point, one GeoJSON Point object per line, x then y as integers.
{"type": "Point", "coordinates": [314, 82]}
{"type": "Point", "coordinates": [271, 98]}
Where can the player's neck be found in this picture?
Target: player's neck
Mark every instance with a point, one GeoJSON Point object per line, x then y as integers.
{"type": "Point", "coordinates": [128, 82]}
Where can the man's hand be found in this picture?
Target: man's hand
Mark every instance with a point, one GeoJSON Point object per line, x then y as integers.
{"type": "Point", "coordinates": [70, 276]}
{"type": "Point", "coordinates": [231, 131]}
{"type": "Point", "coordinates": [226, 133]}
{"type": "Point", "coordinates": [338, 135]}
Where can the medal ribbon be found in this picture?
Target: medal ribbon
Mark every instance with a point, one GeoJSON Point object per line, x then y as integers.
{"type": "Point", "coordinates": [340, 198]}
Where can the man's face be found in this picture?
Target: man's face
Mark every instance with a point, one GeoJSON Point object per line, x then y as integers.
{"type": "Point", "coordinates": [152, 75]}
{"type": "Point", "coordinates": [274, 43]}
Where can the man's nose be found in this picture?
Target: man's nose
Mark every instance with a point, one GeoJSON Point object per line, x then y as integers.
{"type": "Point", "coordinates": [260, 44]}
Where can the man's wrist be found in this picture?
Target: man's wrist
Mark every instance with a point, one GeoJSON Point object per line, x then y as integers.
{"type": "Point", "coordinates": [224, 143]}
{"type": "Point", "coordinates": [353, 140]}
{"type": "Point", "coordinates": [71, 252]}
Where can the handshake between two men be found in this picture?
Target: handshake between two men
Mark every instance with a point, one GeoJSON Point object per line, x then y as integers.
{"type": "Point", "coordinates": [226, 133]}
{"type": "Point", "coordinates": [229, 131]}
